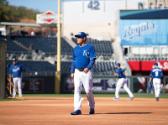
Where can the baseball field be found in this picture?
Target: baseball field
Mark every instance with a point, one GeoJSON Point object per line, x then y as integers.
{"type": "Point", "coordinates": [55, 110]}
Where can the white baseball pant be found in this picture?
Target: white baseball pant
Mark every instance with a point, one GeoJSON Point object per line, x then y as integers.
{"type": "Point", "coordinates": [85, 79]}
{"type": "Point", "coordinates": [17, 85]}
{"type": "Point", "coordinates": [157, 86]}
{"type": "Point", "coordinates": [122, 82]}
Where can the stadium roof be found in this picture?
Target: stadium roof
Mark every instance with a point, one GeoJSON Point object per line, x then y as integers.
{"type": "Point", "coordinates": [19, 24]}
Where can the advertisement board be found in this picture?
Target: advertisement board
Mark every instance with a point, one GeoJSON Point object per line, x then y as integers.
{"type": "Point", "coordinates": [47, 17]}
{"type": "Point", "coordinates": [147, 65]}
{"type": "Point", "coordinates": [144, 32]}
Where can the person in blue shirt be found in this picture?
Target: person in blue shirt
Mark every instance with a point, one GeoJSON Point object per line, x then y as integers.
{"type": "Point", "coordinates": [122, 81]}
{"type": "Point", "coordinates": [84, 57]}
{"type": "Point", "coordinates": [156, 75]}
{"type": "Point", "coordinates": [15, 71]}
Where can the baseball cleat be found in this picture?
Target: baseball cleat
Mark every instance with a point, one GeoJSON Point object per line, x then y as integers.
{"type": "Point", "coordinates": [91, 112]}
{"type": "Point", "coordinates": [116, 99]}
{"type": "Point", "coordinates": [157, 98]}
{"type": "Point", "coordinates": [20, 98]}
{"type": "Point", "coordinates": [77, 112]}
{"type": "Point", "coordinates": [13, 98]}
{"type": "Point", "coordinates": [131, 98]}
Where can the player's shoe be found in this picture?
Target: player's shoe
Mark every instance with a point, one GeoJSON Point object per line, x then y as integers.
{"type": "Point", "coordinates": [77, 112]}
{"type": "Point", "coordinates": [116, 99]}
{"type": "Point", "coordinates": [157, 99]}
{"type": "Point", "coordinates": [91, 112]}
{"type": "Point", "coordinates": [13, 97]}
{"type": "Point", "coordinates": [131, 98]}
{"type": "Point", "coordinates": [20, 98]}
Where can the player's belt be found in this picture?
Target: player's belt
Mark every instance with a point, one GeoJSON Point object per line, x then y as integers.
{"type": "Point", "coordinates": [121, 77]}
{"type": "Point", "coordinates": [80, 69]}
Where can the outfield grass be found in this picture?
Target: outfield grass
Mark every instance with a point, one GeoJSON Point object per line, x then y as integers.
{"type": "Point", "coordinates": [7, 99]}
{"type": "Point", "coordinates": [137, 95]}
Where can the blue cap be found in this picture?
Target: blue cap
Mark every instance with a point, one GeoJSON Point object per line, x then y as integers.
{"type": "Point", "coordinates": [118, 64]}
{"type": "Point", "coordinates": [81, 35]}
{"type": "Point", "coordinates": [14, 59]}
{"type": "Point", "coordinates": [155, 64]}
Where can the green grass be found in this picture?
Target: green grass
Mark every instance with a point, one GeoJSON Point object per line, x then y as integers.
{"type": "Point", "coordinates": [137, 95]}
{"type": "Point", "coordinates": [8, 99]}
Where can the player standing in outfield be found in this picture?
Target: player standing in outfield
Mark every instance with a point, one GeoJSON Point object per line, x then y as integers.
{"type": "Point", "coordinates": [122, 81]}
{"type": "Point", "coordinates": [156, 76]}
{"type": "Point", "coordinates": [15, 71]}
{"type": "Point", "coordinates": [84, 57]}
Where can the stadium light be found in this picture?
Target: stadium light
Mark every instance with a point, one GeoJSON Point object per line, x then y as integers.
{"type": "Point", "coordinates": [58, 58]}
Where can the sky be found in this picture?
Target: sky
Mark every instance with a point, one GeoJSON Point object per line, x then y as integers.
{"type": "Point", "coordinates": [41, 5]}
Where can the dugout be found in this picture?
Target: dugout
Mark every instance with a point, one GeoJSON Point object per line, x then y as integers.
{"type": "Point", "coordinates": [3, 47]}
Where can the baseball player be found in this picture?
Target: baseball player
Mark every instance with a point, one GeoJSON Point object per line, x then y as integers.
{"type": "Point", "coordinates": [15, 71]}
{"type": "Point", "coordinates": [122, 81]}
{"type": "Point", "coordinates": [156, 75]}
{"type": "Point", "coordinates": [84, 57]}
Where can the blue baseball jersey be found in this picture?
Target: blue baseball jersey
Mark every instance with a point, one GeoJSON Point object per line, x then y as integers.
{"type": "Point", "coordinates": [156, 73]}
{"type": "Point", "coordinates": [120, 72]}
{"type": "Point", "coordinates": [16, 70]}
{"type": "Point", "coordinates": [83, 57]}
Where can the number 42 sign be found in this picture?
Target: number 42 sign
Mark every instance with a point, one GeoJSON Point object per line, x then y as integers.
{"type": "Point", "coordinates": [94, 4]}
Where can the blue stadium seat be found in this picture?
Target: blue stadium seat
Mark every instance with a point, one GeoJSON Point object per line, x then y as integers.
{"type": "Point", "coordinates": [44, 44]}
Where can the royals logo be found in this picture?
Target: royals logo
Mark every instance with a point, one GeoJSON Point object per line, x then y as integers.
{"type": "Point", "coordinates": [16, 69]}
{"type": "Point", "coordinates": [86, 53]}
{"type": "Point", "coordinates": [136, 31]}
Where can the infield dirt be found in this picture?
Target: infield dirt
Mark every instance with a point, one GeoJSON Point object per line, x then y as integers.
{"type": "Point", "coordinates": [56, 111]}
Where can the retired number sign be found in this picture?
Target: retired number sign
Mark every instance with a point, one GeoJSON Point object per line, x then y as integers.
{"type": "Point", "coordinates": [94, 4]}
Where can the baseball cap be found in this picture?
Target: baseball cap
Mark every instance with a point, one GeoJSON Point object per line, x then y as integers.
{"type": "Point", "coordinates": [118, 64]}
{"type": "Point", "coordinates": [14, 59]}
{"type": "Point", "coordinates": [155, 64]}
{"type": "Point", "coordinates": [81, 35]}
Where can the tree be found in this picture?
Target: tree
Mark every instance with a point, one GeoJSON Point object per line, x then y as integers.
{"type": "Point", "coordinates": [10, 13]}
{"type": "Point", "coordinates": [4, 2]}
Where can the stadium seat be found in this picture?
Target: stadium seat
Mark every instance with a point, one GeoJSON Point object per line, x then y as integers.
{"type": "Point", "coordinates": [44, 44]}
